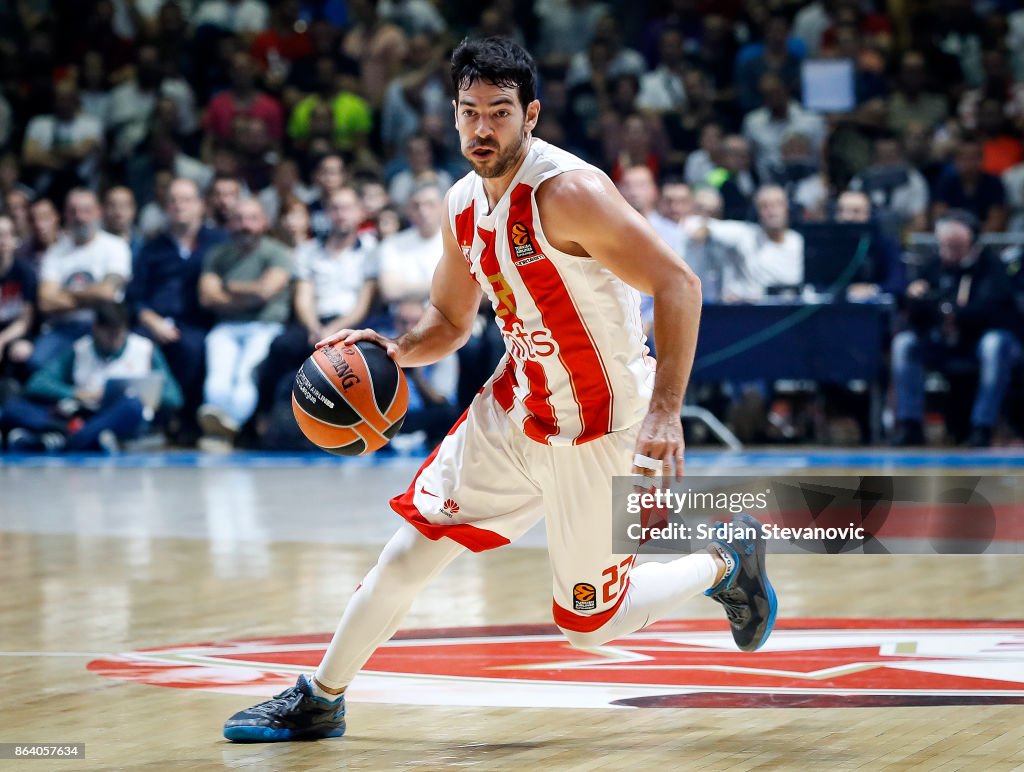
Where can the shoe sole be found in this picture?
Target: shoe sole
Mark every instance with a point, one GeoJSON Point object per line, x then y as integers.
{"type": "Point", "coordinates": [773, 603]}
{"type": "Point", "coordinates": [266, 734]}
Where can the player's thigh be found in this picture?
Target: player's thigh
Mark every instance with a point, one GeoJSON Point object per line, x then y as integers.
{"type": "Point", "coordinates": [588, 578]}
{"type": "Point", "coordinates": [474, 488]}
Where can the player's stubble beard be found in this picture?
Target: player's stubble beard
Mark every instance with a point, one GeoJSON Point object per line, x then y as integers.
{"type": "Point", "coordinates": [504, 161]}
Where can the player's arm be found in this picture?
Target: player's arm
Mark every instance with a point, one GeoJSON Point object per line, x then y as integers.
{"type": "Point", "coordinates": [584, 214]}
{"type": "Point", "coordinates": [448, 320]}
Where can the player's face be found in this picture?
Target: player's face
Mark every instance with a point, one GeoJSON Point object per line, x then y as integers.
{"type": "Point", "coordinates": [493, 127]}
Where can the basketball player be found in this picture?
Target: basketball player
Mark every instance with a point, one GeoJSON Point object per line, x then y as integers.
{"type": "Point", "coordinates": [574, 402]}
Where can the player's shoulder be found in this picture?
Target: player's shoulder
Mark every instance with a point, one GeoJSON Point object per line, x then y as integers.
{"type": "Point", "coordinates": [583, 190]}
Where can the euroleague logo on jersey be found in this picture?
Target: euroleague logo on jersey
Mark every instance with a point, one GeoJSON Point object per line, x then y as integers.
{"type": "Point", "coordinates": [522, 245]}
{"type": "Point", "coordinates": [807, 663]}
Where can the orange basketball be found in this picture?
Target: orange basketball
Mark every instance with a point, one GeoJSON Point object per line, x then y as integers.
{"type": "Point", "coordinates": [350, 400]}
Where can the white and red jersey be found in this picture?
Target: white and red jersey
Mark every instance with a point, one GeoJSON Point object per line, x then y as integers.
{"type": "Point", "coordinates": [576, 366]}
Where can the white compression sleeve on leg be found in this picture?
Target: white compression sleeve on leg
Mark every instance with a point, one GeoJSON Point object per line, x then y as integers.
{"type": "Point", "coordinates": [406, 565]}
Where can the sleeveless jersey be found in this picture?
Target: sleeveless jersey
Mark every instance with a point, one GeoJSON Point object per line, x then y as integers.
{"type": "Point", "coordinates": [576, 364]}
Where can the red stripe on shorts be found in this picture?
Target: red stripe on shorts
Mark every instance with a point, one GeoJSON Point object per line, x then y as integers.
{"type": "Point", "coordinates": [475, 539]}
{"type": "Point", "coordinates": [585, 623]}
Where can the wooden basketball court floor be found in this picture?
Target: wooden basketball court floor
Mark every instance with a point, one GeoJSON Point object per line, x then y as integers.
{"type": "Point", "coordinates": [256, 556]}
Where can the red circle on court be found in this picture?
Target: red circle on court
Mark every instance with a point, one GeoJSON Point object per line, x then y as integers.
{"type": "Point", "coordinates": [807, 663]}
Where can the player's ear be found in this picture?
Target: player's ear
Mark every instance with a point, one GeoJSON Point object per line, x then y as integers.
{"type": "Point", "coordinates": [532, 114]}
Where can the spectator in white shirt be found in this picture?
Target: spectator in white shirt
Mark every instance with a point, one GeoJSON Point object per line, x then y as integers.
{"type": "Point", "coordinates": [662, 90]}
{"type": "Point", "coordinates": [408, 258]}
{"type": "Point", "coordinates": [767, 126]}
{"type": "Point", "coordinates": [85, 266]}
{"type": "Point", "coordinates": [63, 148]}
{"type": "Point", "coordinates": [419, 154]}
{"type": "Point", "coordinates": [242, 17]}
{"type": "Point", "coordinates": [767, 254]}
{"type": "Point", "coordinates": [335, 284]}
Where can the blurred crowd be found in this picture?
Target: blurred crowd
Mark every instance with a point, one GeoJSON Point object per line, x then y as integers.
{"type": "Point", "coordinates": [192, 192]}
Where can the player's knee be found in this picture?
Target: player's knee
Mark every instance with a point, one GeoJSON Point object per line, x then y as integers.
{"type": "Point", "coordinates": [579, 639]}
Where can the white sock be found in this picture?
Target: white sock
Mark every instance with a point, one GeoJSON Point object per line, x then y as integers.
{"type": "Point", "coordinates": [323, 694]}
{"type": "Point", "coordinates": [407, 563]}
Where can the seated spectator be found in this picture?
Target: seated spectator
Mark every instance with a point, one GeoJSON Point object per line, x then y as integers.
{"type": "Point", "coordinates": [119, 212]}
{"type": "Point", "coordinates": [638, 143]}
{"type": "Point", "coordinates": [896, 190]}
{"type": "Point", "coordinates": [767, 126]}
{"type": "Point", "coordinates": [965, 186]}
{"type": "Point", "coordinates": [799, 174]}
{"type": "Point", "coordinates": [17, 306]}
{"type": "Point", "coordinates": [81, 269]}
{"type": "Point", "coordinates": [639, 188]}
{"type": "Point", "coordinates": [662, 89]}
{"type": "Point", "coordinates": [353, 119]}
{"type": "Point", "coordinates": [63, 149]}
{"type": "Point", "coordinates": [328, 176]}
{"type": "Point", "coordinates": [293, 227]}
{"type": "Point", "coordinates": [1000, 146]}
{"type": "Point", "coordinates": [133, 102]}
{"type": "Point", "coordinates": [286, 184]}
{"type": "Point", "coordinates": [734, 179]}
{"type": "Point", "coordinates": [767, 254]}
{"type": "Point", "coordinates": [378, 45]}
{"type": "Point", "coordinates": [244, 285]}
{"type": "Point", "coordinates": [702, 161]}
{"type": "Point", "coordinates": [44, 230]}
{"type": "Point", "coordinates": [422, 90]}
{"type": "Point", "coordinates": [911, 101]}
{"type": "Point", "coordinates": [255, 153]}
{"type": "Point", "coordinates": [432, 389]}
{"type": "Point", "coordinates": [960, 308]}
{"type": "Point", "coordinates": [163, 293]}
{"type": "Point", "coordinates": [68, 404]}
{"type": "Point", "coordinates": [888, 273]}
{"type": "Point", "coordinates": [285, 41]}
{"type": "Point", "coordinates": [778, 56]}
{"type": "Point", "coordinates": [240, 17]}
{"type": "Point", "coordinates": [162, 153]}
{"type": "Point", "coordinates": [420, 169]}
{"type": "Point", "coordinates": [408, 259]}
{"type": "Point", "coordinates": [243, 98]}
{"type": "Point", "coordinates": [335, 285]}
{"type": "Point", "coordinates": [222, 200]}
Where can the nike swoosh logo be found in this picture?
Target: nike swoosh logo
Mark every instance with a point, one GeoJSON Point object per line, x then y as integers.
{"type": "Point", "coordinates": [428, 493]}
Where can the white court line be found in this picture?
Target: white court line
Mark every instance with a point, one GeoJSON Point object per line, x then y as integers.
{"type": "Point", "coordinates": [56, 654]}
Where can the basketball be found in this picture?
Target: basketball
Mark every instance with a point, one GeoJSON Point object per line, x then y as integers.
{"type": "Point", "coordinates": [350, 400]}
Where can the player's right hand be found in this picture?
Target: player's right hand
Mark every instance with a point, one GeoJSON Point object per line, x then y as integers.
{"type": "Point", "coordinates": [348, 337]}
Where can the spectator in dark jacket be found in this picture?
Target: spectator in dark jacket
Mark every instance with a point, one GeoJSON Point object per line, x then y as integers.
{"type": "Point", "coordinates": [961, 307]}
{"type": "Point", "coordinates": [164, 294]}
{"type": "Point", "coordinates": [965, 186]}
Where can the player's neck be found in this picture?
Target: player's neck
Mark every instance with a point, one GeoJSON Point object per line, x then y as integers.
{"type": "Point", "coordinates": [495, 187]}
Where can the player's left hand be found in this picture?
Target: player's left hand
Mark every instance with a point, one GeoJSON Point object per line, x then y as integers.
{"type": "Point", "coordinates": [660, 440]}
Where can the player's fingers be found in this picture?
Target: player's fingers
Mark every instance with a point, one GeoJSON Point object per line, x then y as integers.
{"type": "Point", "coordinates": [680, 464]}
{"type": "Point", "coordinates": [646, 465]}
{"type": "Point", "coordinates": [330, 340]}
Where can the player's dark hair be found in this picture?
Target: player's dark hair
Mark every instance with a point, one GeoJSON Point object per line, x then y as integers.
{"type": "Point", "coordinates": [498, 61]}
{"type": "Point", "coordinates": [111, 315]}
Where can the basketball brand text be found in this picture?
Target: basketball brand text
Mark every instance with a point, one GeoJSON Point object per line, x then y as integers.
{"type": "Point", "coordinates": [342, 368]}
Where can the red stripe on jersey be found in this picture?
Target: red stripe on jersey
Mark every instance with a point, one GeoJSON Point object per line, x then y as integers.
{"type": "Point", "coordinates": [464, 222]}
{"type": "Point", "coordinates": [576, 350]}
{"type": "Point", "coordinates": [504, 384]}
{"type": "Point", "coordinates": [541, 422]}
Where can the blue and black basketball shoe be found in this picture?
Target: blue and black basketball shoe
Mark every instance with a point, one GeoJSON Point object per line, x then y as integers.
{"type": "Point", "coordinates": [294, 714]}
{"type": "Point", "coordinates": [744, 591]}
